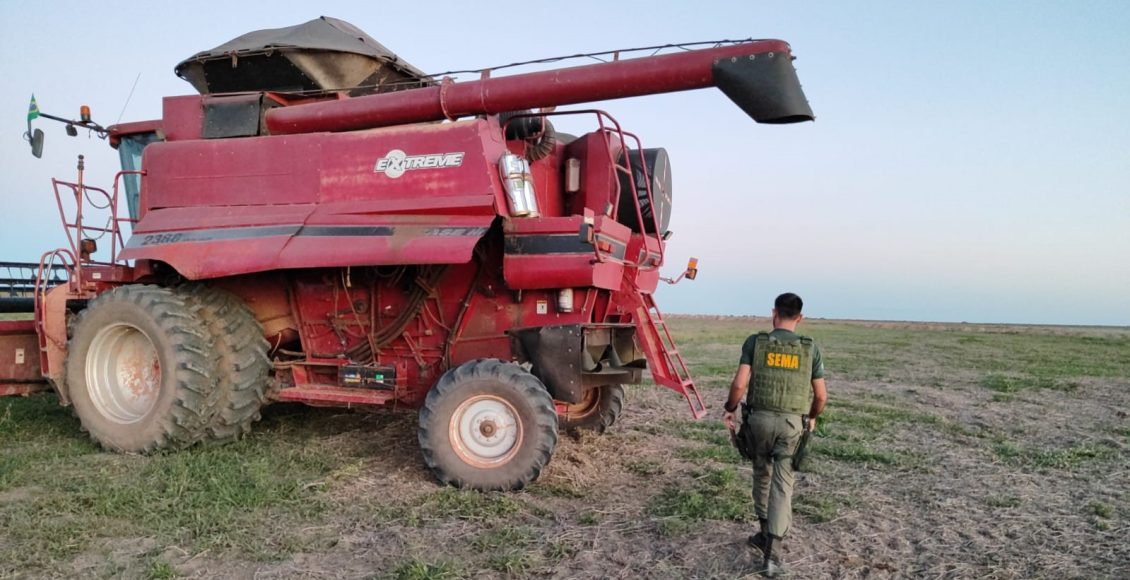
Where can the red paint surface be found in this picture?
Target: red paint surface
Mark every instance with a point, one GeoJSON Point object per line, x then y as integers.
{"type": "Point", "coordinates": [253, 214]}
{"type": "Point", "coordinates": [18, 377]}
{"type": "Point", "coordinates": [582, 84]}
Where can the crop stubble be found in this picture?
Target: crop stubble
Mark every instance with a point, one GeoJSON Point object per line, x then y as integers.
{"type": "Point", "coordinates": [948, 451]}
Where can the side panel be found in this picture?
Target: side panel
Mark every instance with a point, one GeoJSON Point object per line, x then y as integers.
{"type": "Point", "coordinates": [549, 253]}
{"type": "Point", "coordinates": [19, 358]}
{"type": "Point", "coordinates": [422, 194]}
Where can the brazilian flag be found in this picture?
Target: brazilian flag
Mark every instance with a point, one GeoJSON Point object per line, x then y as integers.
{"type": "Point", "coordinates": [32, 109]}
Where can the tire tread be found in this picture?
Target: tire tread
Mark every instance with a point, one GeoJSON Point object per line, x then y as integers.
{"type": "Point", "coordinates": [241, 352]}
{"type": "Point", "coordinates": [543, 429]}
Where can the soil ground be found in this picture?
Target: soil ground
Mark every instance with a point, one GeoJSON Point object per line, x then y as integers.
{"type": "Point", "coordinates": [948, 451]}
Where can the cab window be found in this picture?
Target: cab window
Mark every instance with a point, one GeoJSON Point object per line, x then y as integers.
{"type": "Point", "coordinates": [130, 149]}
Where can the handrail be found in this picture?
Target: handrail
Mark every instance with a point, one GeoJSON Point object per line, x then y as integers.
{"type": "Point", "coordinates": [75, 229]}
{"type": "Point", "coordinates": [613, 131]}
{"type": "Point", "coordinates": [47, 264]}
{"type": "Point", "coordinates": [114, 212]}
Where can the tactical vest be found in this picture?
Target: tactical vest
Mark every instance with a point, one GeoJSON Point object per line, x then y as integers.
{"type": "Point", "coordinates": [782, 375]}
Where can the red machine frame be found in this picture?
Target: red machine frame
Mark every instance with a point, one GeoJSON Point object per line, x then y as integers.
{"type": "Point", "coordinates": [377, 244]}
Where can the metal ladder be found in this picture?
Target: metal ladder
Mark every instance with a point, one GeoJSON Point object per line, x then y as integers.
{"type": "Point", "coordinates": [668, 367]}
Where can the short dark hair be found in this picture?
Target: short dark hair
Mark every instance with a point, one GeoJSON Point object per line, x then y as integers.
{"type": "Point", "coordinates": [788, 305]}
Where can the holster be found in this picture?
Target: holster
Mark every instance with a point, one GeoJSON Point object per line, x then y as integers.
{"type": "Point", "coordinates": [743, 440]}
{"type": "Point", "coordinates": [802, 447]}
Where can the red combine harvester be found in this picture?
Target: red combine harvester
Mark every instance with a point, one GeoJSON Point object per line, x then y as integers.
{"type": "Point", "coordinates": [325, 224]}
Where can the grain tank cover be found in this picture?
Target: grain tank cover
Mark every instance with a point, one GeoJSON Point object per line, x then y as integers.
{"type": "Point", "coordinates": [324, 54]}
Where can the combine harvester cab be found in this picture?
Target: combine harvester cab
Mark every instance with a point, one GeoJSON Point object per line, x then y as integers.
{"type": "Point", "coordinates": [326, 224]}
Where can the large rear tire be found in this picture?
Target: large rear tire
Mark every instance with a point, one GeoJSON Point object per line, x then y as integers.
{"type": "Point", "coordinates": [597, 411]}
{"type": "Point", "coordinates": [241, 360]}
{"type": "Point", "coordinates": [140, 372]}
{"type": "Point", "coordinates": [488, 425]}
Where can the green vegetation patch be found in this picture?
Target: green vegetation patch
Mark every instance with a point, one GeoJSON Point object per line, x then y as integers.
{"type": "Point", "coordinates": [1101, 509]}
{"type": "Point", "coordinates": [160, 570]}
{"type": "Point", "coordinates": [565, 489]}
{"type": "Point", "coordinates": [65, 496]}
{"type": "Point", "coordinates": [820, 507]}
{"type": "Point", "coordinates": [38, 437]}
{"type": "Point", "coordinates": [711, 441]}
{"type": "Point", "coordinates": [645, 467]}
{"type": "Point", "coordinates": [857, 351]}
{"type": "Point", "coordinates": [417, 570]}
{"type": "Point", "coordinates": [1002, 501]}
{"type": "Point", "coordinates": [859, 453]}
{"type": "Point", "coordinates": [464, 504]}
{"type": "Point", "coordinates": [1008, 384]}
{"type": "Point", "coordinates": [216, 498]}
{"type": "Point", "coordinates": [706, 431]}
{"type": "Point", "coordinates": [588, 518]}
{"type": "Point", "coordinates": [514, 562]}
{"type": "Point", "coordinates": [720, 453]}
{"type": "Point", "coordinates": [504, 536]}
{"type": "Point", "coordinates": [713, 494]}
{"type": "Point", "coordinates": [1041, 458]}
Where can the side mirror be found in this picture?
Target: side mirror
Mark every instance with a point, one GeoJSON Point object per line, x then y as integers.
{"type": "Point", "coordinates": [37, 143]}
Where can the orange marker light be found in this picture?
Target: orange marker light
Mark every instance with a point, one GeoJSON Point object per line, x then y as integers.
{"type": "Point", "coordinates": [84, 113]}
{"type": "Point", "coordinates": [87, 247]}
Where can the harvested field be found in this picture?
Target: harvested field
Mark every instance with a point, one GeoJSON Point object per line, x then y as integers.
{"type": "Point", "coordinates": [948, 451]}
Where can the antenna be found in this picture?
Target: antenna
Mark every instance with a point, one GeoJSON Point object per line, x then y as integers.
{"type": "Point", "coordinates": [130, 96]}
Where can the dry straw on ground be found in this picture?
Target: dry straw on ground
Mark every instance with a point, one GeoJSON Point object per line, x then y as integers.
{"type": "Point", "coordinates": [949, 451]}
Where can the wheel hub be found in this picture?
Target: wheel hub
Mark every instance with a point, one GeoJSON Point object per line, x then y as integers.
{"type": "Point", "coordinates": [123, 373]}
{"type": "Point", "coordinates": [586, 406]}
{"type": "Point", "coordinates": [485, 431]}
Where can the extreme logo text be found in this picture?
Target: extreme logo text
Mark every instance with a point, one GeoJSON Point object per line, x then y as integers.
{"type": "Point", "coordinates": [396, 162]}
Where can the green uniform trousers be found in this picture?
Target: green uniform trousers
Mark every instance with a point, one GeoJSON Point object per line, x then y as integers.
{"type": "Point", "coordinates": [775, 438]}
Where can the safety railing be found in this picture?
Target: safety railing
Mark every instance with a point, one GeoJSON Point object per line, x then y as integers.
{"type": "Point", "coordinates": [83, 237]}
{"type": "Point", "coordinates": [610, 127]}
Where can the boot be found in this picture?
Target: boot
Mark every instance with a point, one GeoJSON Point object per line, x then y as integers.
{"type": "Point", "coordinates": [771, 567]}
{"type": "Point", "coordinates": [758, 540]}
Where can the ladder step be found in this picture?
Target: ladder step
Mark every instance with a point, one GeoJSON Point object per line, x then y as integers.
{"type": "Point", "coordinates": [671, 370]}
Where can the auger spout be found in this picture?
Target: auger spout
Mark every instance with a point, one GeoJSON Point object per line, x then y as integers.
{"type": "Point", "coordinates": [758, 76]}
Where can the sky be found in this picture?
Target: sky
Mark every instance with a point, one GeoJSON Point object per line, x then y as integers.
{"type": "Point", "coordinates": [970, 160]}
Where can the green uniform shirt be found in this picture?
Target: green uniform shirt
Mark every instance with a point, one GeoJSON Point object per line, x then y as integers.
{"type": "Point", "coordinates": [783, 336]}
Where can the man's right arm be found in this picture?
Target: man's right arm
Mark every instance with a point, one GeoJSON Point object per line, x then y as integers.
{"type": "Point", "coordinates": [819, 398]}
{"type": "Point", "coordinates": [737, 391]}
{"type": "Point", "coordinates": [739, 384]}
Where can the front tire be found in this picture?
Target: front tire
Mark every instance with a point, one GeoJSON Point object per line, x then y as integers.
{"type": "Point", "coordinates": [140, 372]}
{"type": "Point", "coordinates": [488, 425]}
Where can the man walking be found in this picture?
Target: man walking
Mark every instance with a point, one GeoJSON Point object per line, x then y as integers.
{"type": "Point", "coordinates": [781, 377]}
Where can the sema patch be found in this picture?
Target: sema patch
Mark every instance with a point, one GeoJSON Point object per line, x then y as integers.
{"type": "Point", "coordinates": [782, 360]}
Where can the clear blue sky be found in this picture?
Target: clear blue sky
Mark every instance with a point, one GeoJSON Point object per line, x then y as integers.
{"type": "Point", "coordinates": [970, 160]}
